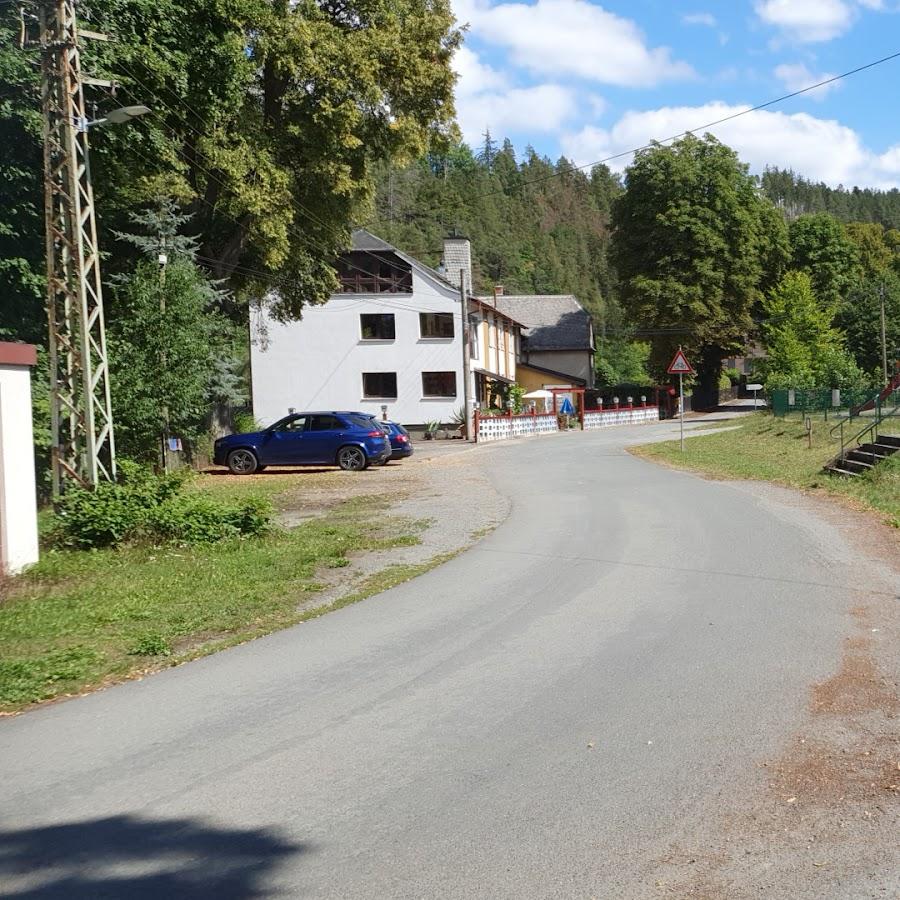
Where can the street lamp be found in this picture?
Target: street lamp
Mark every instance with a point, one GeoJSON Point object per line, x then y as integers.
{"type": "Point", "coordinates": [116, 117]}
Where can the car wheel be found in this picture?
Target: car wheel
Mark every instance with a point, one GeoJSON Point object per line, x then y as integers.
{"type": "Point", "coordinates": [261, 468]}
{"type": "Point", "coordinates": [384, 462]}
{"type": "Point", "coordinates": [242, 462]}
{"type": "Point", "coordinates": [352, 459]}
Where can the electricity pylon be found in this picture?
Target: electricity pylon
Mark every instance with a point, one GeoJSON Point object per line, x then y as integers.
{"type": "Point", "coordinates": [83, 444]}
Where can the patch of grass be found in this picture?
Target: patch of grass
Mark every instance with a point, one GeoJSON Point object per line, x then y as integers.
{"type": "Point", "coordinates": [83, 618]}
{"type": "Point", "coordinates": [769, 449]}
{"type": "Point", "coordinates": [381, 581]}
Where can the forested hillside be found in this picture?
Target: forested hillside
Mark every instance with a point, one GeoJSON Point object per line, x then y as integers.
{"type": "Point", "coordinates": [535, 226]}
{"type": "Point", "coordinates": [795, 195]}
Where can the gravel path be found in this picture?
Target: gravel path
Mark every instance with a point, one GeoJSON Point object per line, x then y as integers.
{"type": "Point", "coordinates": [444, 490]}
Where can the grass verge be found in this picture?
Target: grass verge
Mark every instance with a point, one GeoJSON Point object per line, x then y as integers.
{"type": "Point", "coordinates": [768, 449]}
{"type": "Point", "coordinates": [81, 619]}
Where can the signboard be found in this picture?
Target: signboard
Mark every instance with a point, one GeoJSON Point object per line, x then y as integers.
{"type": "Point", "coordinates": [754, 387]}
{"type": "Point", "coordinates": [680, 365]}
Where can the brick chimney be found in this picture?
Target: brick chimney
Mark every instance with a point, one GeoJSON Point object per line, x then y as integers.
{"type": "Point", "coordinates": [457, 255]}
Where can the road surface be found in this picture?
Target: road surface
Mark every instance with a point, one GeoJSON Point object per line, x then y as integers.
{"type": "Point", "coordinates": [547, 715]}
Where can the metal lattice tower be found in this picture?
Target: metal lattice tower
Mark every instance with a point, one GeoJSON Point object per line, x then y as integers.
{"type": "Point", "coordinates": [83, 448]}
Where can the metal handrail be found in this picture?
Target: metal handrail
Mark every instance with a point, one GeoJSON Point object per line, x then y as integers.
{"type": "Point", "coordinates": [880, 416]}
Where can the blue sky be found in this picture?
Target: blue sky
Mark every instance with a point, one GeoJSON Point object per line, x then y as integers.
{"type": "Point", "coordinates": [589, 79]}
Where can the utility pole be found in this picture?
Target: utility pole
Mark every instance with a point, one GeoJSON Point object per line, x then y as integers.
{"type": "Point", "coordinates": [464, 306]}
{"type": "Point", "coordinates": [884, 364]}
{"type": "Point", "coordinates": [83, 444]}
{"type": "Point", "coordinates": [163, 259]}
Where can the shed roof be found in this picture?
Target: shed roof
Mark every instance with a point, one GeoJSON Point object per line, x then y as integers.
{"type": "Point", "coordinates": [552, 321]}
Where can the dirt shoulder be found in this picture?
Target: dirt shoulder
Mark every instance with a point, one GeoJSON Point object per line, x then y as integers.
{"type": "Point", "coordinates": [821, 818]}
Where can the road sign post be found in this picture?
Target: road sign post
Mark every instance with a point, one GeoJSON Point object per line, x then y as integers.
{"type": "Point", "coordinates": [754, 388]}
{"type": "Point", "coordinates": [680, 367]}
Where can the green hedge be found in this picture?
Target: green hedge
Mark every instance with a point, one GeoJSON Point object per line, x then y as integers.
{"type": "Point", "coordinates": [143, 507]}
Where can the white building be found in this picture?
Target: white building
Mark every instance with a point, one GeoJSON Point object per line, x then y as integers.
{"type": "Point", "coordinates": [18, 495]}
{"type": "Point", "coordinates": [392, 337]}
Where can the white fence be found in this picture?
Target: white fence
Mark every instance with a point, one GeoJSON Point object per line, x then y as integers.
{"type": "Point", "coordinates": [632, 415]}
{"type": "Point", "coordinates": [498, 428]}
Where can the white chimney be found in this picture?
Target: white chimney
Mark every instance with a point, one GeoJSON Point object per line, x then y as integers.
{"type": "Point", "coordinates": [458, 257]}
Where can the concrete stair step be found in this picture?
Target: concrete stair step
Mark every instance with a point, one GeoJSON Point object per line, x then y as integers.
{"type": "Point", "coordinates": [884, 450]}
{"type": "Point", "coordinates": [837, 470]}
{"type": "Point", "coordinates": [867, 456]}
{"type": "Point", "coordinates": [855, 465]}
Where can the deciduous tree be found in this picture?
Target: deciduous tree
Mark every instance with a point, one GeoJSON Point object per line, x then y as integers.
{"type": "Point", "coordinates": [694, 245]}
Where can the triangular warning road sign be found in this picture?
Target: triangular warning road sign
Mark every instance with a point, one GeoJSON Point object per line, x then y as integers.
{"type": "Point", "coordinates": [680, 365]}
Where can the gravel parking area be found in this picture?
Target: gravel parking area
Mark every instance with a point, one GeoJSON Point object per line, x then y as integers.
{"type": "Point", "coordinates": [443, 488]}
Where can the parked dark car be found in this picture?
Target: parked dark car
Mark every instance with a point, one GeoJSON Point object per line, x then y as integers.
{"type": "Point", "coordinates": [401, 445]}
{"type": "Point", "coordinates": [347, 439]}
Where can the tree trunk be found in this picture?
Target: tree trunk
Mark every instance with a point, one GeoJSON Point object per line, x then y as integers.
{"type": "Point", "coordinates": [706, 390]}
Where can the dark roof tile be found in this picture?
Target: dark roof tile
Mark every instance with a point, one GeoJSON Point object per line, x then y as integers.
{"type": "Point", "coordinates": [552, 321]}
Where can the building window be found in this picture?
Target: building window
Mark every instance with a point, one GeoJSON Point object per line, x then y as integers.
{"type": "Point", "coordinates": [377, 326]}
{"type": "Point", "coordinates": [436, 325]}
{"type": "Point", "coordinates": [380, 384]}
{"type": "Point", "coordinates": [474, 339]}
{"type": "Point", "coordinates": [439, 384]}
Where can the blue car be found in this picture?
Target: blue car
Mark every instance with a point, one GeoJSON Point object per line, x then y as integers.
{"type": "Point", "coordinates": [401, 445]}
{"type": "Point", "coordinates": [346, 439]}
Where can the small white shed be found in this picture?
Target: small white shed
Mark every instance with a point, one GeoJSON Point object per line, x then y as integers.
{"type": "Point", "coordinates": [18, 492]}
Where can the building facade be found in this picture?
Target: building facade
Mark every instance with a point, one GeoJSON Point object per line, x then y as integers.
{"type": "Point", "coordinates": [557, 339]}
{"type": "Point", "coordinates": [18, 493]}
{"type": "Point", "coordinates": [389, 343]}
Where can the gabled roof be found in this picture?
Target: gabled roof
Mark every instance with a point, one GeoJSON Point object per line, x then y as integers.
{"type": "Point", "coordinates": [365, 242]}
{"type": "Point", "coordinates": [552, 321]}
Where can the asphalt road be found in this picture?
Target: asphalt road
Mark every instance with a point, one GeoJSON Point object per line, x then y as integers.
{"type": "Point", "coordinates": [544, 716]}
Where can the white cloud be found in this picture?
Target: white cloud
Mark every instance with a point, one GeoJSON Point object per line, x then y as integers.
{"type": "Point", "coordinates": [807, 21]}
{"type": "Point", "coordinates": [819, 149]}
{"type": "Point", "coordinates": [571, 37]}
{"type": "Point", "coordinates": [703, 18]}
{"type": "Point", "coordinates": [473, 75]}
{"type": "Point", "coordinates": [486, 99]}
{"type": "Point", "coordinates": [795, 77]}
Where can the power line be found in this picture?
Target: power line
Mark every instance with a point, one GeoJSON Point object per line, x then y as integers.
{"type": "Point", "coordinates": [708, 125]}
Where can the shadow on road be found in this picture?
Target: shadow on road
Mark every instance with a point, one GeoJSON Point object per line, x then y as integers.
{"type": "Point", "coordinates": [129, 858]}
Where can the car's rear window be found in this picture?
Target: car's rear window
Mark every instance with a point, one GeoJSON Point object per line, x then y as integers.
{"type": "Point", "coordinates": [401, 429]}
{"type": "Point", "coordinates": [361, 422]}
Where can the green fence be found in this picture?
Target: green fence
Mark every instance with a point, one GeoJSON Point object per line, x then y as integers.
{"type": "Point", "coordinates": [817, 400]}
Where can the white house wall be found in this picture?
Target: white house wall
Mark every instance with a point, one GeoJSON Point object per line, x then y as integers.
{"type": "Point", "coordinates": [18, 501]}
{"type": "Point", "coordinates": [318, 362]}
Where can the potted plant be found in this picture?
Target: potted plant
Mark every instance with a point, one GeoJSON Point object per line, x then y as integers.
{"type": "Point", "coordinates": [430, 430]}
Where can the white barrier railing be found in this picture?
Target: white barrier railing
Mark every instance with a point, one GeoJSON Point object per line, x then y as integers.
{"type": "Point", "coordinates": [498, 428]}
{"type": "Point", "coordinates": [629, 415]}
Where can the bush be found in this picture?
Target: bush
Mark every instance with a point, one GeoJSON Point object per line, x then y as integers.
{"type": "Point", "coordinates": [144, 506]}
{"type": "Point", "coordinates": [244, 422]}
{"type": "Point", "coordinates": [196, 519]}
{"type": "Point", "coordinates": [151, 644]}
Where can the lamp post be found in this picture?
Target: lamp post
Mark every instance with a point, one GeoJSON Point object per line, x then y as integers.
{"type": "Point", "coordinates": [117, 117]}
